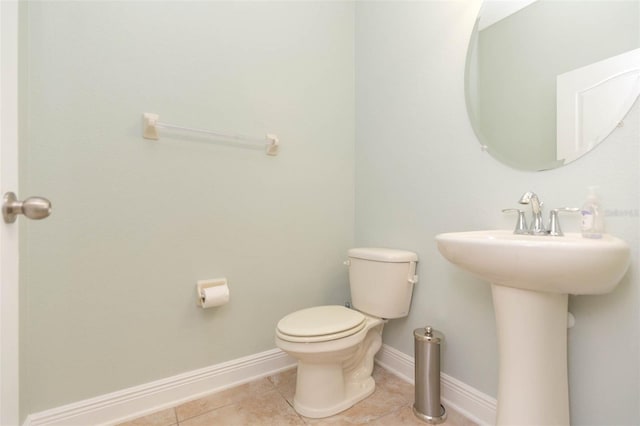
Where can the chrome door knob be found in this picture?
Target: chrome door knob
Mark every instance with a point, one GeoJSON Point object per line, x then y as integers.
{"type": "Point", "coordinates": [33, 207]}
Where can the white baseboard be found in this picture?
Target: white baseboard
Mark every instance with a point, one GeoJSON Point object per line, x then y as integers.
{"type": "Point", "coordinates": [140, 400]}
{"type": "Point", "coordinates": [461, 397]}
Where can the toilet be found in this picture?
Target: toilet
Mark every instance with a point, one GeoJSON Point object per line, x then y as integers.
{"type": "Point", "coordinates": [335, 345]}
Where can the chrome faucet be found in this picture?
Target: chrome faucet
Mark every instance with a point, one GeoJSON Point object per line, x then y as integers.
{"type": "Point", "coordinates": [537, 223]}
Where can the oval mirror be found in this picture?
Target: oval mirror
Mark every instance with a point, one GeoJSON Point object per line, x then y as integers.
{"type": "Point", "coordinates": [547, 80]}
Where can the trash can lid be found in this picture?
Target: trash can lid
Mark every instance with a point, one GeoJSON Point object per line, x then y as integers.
{"type": "Point", "coordinates": [428, 334]}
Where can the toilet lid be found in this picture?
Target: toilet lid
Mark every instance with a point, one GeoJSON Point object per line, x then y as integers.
{"type": "Point", "coordinates": [322, 321]}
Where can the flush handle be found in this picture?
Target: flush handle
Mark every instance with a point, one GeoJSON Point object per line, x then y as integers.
{"type": "Point", "coordinates": [33, 207]}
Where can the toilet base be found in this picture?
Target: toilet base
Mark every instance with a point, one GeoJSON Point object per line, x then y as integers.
{"type": "Point", "coordinates": [330, 382]}
{"type": "Point", "coordinates": [355, 392]}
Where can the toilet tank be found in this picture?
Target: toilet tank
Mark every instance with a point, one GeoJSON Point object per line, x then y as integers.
{"type": "Point", "coordinates": [381, 281]}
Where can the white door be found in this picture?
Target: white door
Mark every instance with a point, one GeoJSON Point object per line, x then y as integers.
{"type": "Point", "coordinates": [9, 289]}
{"type": "Point", "coordinates": [8, 232]}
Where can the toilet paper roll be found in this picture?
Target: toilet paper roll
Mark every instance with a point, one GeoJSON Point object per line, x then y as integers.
{"type": "Point", "coordinates": [214, 296]}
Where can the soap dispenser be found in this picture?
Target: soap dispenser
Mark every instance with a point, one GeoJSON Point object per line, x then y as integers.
{"type": "Point", "coordinates": [592, 219]}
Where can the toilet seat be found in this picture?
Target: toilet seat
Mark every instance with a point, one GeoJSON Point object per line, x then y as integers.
{"type": "Point", "coordinates": [320, 324]}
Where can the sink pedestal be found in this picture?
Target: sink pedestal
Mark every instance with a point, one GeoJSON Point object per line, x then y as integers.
{"type": "Point", "coordinates": [532, 344]}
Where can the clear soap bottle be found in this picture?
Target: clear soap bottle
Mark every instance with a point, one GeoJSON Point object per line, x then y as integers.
{"type": "Point", "coordinates": [592, 216]}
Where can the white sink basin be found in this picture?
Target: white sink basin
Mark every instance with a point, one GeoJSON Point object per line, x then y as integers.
{"type": "Point", "coordinates": [531, 278]}
{"type": "Point", "coordinates": [569, 264]}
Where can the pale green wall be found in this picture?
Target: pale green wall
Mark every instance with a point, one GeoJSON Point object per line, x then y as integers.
{"type": "Point", "coordinates": [420, 172]}
{"type": "Point", "coordinates": [108, 283]}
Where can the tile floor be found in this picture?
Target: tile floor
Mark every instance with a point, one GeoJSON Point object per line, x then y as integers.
{"type": "Point", "coordinates": [268, 402]}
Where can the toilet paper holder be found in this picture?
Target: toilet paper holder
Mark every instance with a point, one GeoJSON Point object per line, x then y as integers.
{"type": "Point", "coordinates": [203, 285]}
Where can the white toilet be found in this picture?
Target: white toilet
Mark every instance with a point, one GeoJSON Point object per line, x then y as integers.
{"type": "Point", "coordinates": [335, 345]}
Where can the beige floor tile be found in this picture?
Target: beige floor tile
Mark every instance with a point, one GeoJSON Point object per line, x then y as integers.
{"type": "Point", "coordinates": [404, 416]}
{"type": "Point", "coordinates": [268, 402]}
{"type": "Point", "coordinates": [285, 383]}
{"type": "Point", "coordinates": [401, 416]}
{"type": "Point", "coordinates": [265, 409]}
{"type": "Point", "coordinates": [161, 418]}
{"type": "Point", "coordinates": [221, 399]}
{"type": "Point", "coordinates": [393, 384]}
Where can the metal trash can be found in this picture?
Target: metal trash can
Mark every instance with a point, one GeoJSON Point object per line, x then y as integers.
{"type": "Point", "coordinates": [427, 406]}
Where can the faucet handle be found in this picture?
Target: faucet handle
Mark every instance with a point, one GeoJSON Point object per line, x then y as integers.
{"type": "Point", "coordinates": [554, 222]}
{"type": "Point", "coordinates": [521, 224]}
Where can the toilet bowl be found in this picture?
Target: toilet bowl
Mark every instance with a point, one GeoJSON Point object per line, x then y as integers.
{"type": "Point", "coordinates": [334, 345]}
{"type": "Point", "coordinates": [334, 368]}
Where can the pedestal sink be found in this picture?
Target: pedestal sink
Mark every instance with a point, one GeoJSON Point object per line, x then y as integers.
{"type": "Point", "coordinates": [531, 278]}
